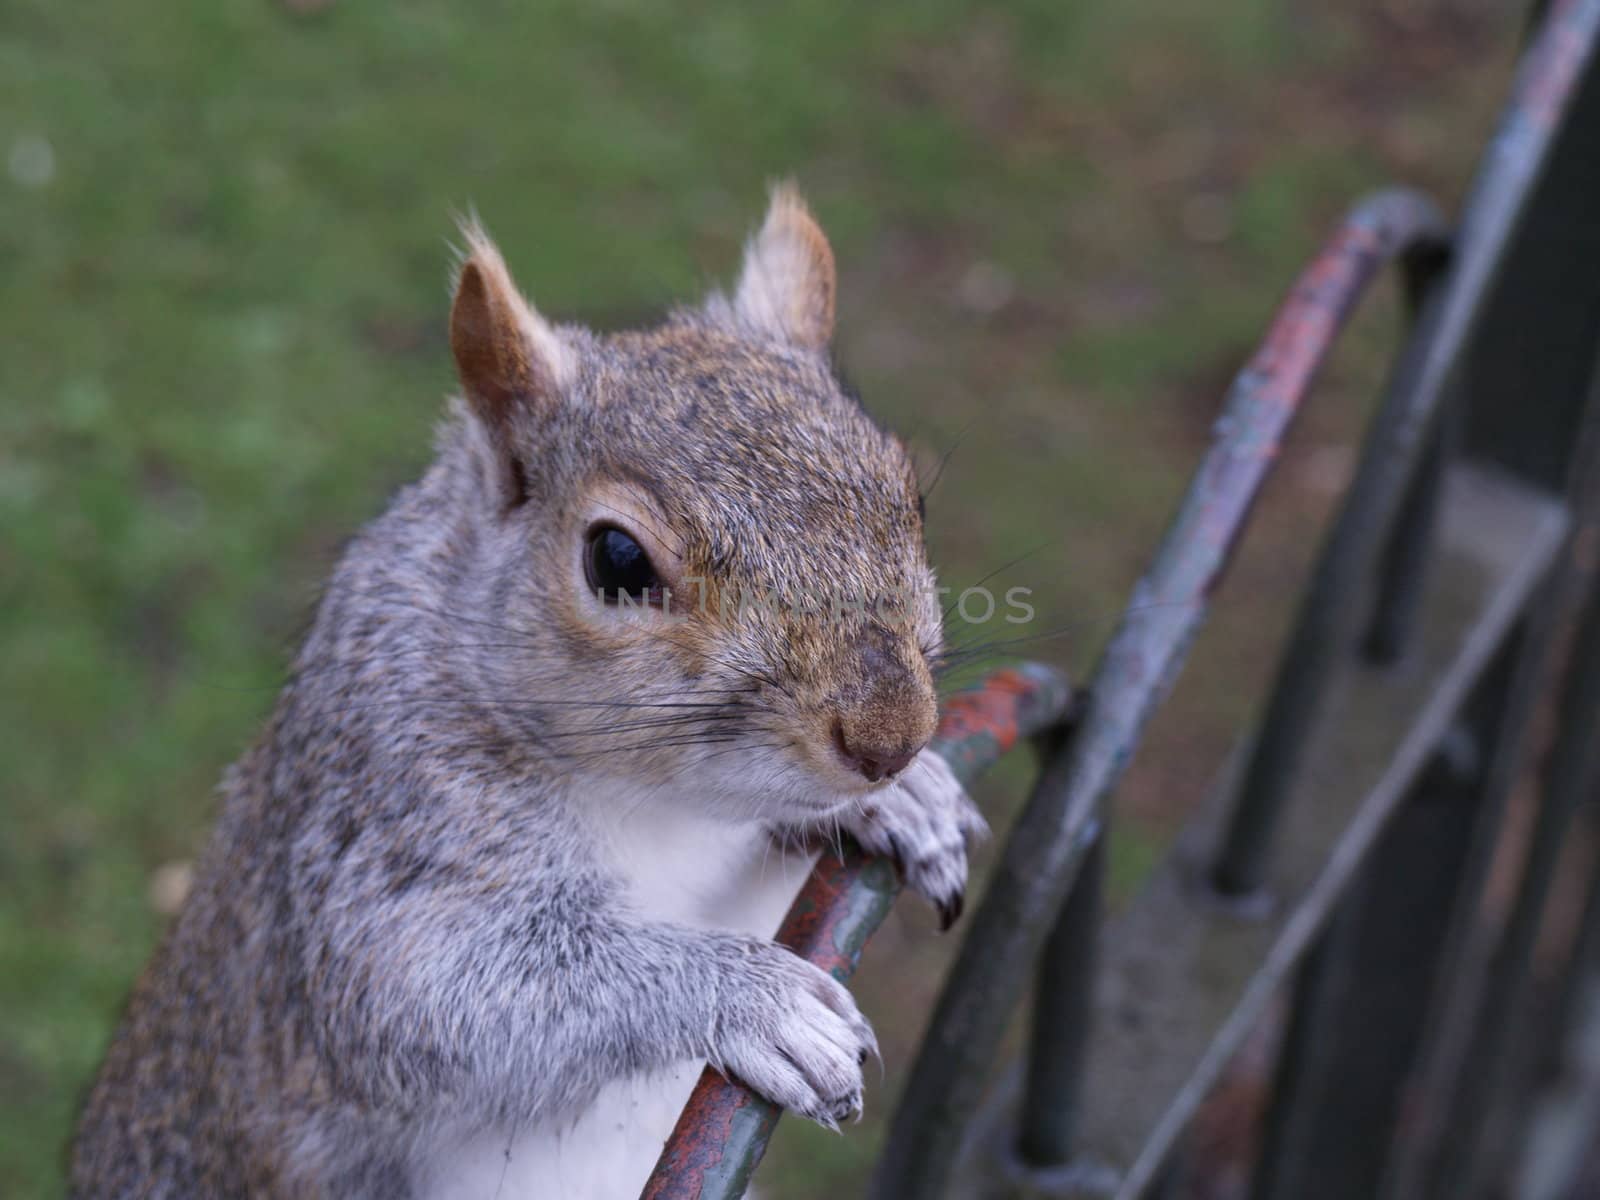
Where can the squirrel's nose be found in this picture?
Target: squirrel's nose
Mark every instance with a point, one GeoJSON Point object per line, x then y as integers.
{"type": "Point", "coordinates": [875, 762]}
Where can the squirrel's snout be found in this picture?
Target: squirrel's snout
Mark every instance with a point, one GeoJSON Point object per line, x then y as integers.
{"type": "Point", "coordinates": [878, 736]}
{"type": "Point", "coordinates": [883, 710]}
{"type": "Point", "coordinates": [875, 762]}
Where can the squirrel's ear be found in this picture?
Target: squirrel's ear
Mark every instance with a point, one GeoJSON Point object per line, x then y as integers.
{"type": "Point", "coordinates": [787, 283]}
{"type": "Point", "coordinates": [507, 355]}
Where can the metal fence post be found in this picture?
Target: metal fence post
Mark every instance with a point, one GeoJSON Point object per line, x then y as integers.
{"type": "Point", "coordinates": [1403, 566]}
{"type": "Point", "coordinates": [1063, 1000]}
{"type": "Point", "coordinates": [1361, 1000]}
{"type": "Point", "coordinates": [1302, 1065]}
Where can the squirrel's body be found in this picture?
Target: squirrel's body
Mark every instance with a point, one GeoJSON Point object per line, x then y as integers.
{"type": "Point", "coordinates": [696, 872]}
{"type": "Point", "coordinates": [503, 870]}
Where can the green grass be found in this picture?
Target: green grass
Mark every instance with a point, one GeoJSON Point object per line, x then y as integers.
{"type": "Point", "coordinates": [223, 257]}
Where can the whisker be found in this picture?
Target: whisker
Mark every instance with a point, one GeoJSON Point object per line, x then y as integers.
{"type": "Point", "coordinates": [756, 675]}
{"type": "Point", "coordinates": [736, 742]}
{"type": "Point", "coordinates": [944, 459]}
{"type": "Point", "coordinates": [1021, 558]}
{"type": "Point", "coordinates": [725, 720]}
{"type": "Point", "coordinates": [696, 711]}
{"type": "Point", "coordinates": [355, 664]}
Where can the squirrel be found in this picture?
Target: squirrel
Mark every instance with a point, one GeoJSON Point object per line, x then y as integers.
{"type": "Point", "coordinates": [503, 871]}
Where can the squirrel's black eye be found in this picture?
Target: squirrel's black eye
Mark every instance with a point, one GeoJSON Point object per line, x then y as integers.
{"type": "Point", "coordinates": [617, 566]}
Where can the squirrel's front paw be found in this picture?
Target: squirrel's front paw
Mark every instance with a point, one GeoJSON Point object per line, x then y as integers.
{"type": "Point", "coordinates": [794, 1034]}
{"type": "Point", "coordinates": [923, 821]}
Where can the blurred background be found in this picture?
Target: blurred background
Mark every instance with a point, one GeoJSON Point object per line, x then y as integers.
{"type": "Point", "coordinates": [223, 268]}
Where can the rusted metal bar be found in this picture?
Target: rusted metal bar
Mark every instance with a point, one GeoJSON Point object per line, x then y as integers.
{"type": "Point", "coordinates": [1564, 1115]}
{"type": "Point", "coordinates": [1047, 846]}
{"type": "Point", "coordinates": [1493, 216]}
{"type": "Point", "coordinates": [1583, 959]}
{"type": "Point", "coordinates": [1556, 1160]}
{"type": "Point", "coordinates": [724, 1129]}
{"type": "Point", "coordinates": [1479, 1141]}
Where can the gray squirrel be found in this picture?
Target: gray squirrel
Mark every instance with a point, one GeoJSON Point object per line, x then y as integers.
{"type": "Point", "coordinates": [503, 870]}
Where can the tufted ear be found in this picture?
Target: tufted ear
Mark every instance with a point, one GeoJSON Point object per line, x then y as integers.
{"type": "Point", "coordinates": [507, 356]}
{"type": "Point", "coordinates": [786, 286]}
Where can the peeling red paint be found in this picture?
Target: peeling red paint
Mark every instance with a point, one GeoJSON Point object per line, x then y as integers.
{"type": "Point", "coordinates": [991, 710]}
{"type": "Point", "coordinates": [697, 1142]}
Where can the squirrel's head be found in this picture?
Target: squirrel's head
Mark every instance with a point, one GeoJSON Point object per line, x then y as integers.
{"type": "Point", "coordinates": [715, 553]}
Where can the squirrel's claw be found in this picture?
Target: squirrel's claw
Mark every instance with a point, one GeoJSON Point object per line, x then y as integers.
{"type": "Point", "coordinates": [950, 911]}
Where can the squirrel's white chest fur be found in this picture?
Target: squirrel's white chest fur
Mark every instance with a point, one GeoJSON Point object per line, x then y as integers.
{"type": "Point", "coordinates": [686, 867]}
{"type": "Point", "coordinates": [678, 865]}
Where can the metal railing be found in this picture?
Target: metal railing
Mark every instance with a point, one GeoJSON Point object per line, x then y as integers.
{"type": "Point", "coordinates": [1348, 863]}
